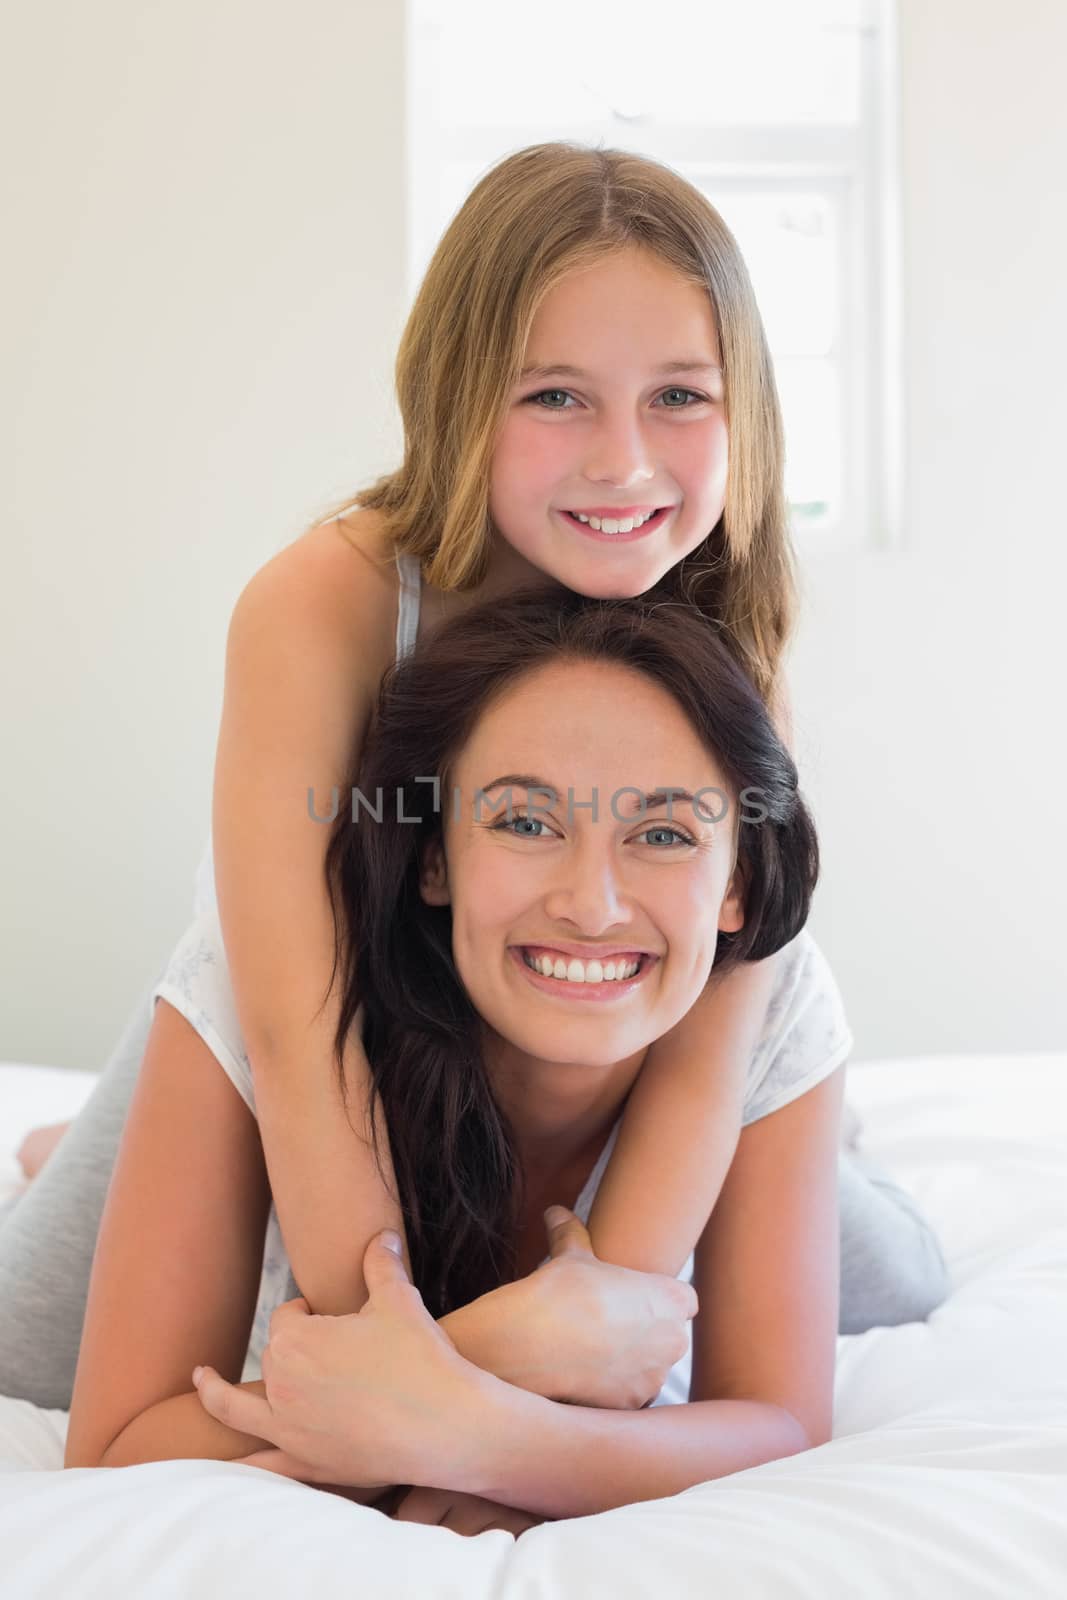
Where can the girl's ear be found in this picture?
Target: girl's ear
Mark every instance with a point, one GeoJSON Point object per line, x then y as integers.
{"type": "Point", "coordinates": [433, 875]}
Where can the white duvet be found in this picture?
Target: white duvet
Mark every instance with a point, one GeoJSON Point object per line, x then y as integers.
{"type": "Point", "coordinates": [946, 1476]}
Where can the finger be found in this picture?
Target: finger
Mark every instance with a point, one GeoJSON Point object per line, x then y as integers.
{"type": "Point", "coordinates": [390, 1502]}
{"type": "Point", "coordinates": [383, 1261]}
{"type": "Point", "coordinates": [690, 1302]}
{"type": "Point", "coordinates": [566, 1231]}
{"type": "Point", "coordinates": [421, 1504]}
{"type": "Point", "coordinates": [481, 1516]}
{"type": "Point", "coordinates": [680, 1295]}
{"type": "Point", "coordinates": [240, 1409]}
{"type": "Point", "coordinates": [289, 1312]}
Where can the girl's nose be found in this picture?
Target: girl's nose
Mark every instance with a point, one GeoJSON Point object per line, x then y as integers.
{"type": "Point", "coordinates": [619, 456]}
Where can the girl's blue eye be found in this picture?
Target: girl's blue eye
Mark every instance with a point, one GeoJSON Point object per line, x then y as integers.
{"type": "Point", "coordinates": [531, 398]}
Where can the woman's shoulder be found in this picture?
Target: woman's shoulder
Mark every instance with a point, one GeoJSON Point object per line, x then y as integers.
{"type": "Point", "coordinates": [805, 1034]}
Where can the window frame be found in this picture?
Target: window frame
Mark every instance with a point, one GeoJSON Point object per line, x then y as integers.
{"type": "Point", "coordinates": [856, 164]}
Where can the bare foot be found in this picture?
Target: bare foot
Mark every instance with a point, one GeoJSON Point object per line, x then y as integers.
{"type": "Point", "coordinates": [38, 1145]}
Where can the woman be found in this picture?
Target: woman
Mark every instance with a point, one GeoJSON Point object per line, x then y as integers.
{"type": "Point", "coordinates": [502, 1086]}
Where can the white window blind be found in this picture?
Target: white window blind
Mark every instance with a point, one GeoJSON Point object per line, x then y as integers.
{"type": "Point", "coordinates": [781, 112]}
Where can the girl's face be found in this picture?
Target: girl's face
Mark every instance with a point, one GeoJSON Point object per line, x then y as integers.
{"type": "Point", "coordinates": [635, 428]}
{"type": "Point", "coordinates": [659, 885]}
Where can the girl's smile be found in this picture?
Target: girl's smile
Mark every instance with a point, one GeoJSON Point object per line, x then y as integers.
{"type": "Point", "coordinates": [652, 525]}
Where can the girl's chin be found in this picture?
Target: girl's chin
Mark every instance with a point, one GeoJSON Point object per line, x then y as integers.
{"type": "Point", "coordinates": [587, 578]}
{"type": "Point", "coordinates": [626, 577]}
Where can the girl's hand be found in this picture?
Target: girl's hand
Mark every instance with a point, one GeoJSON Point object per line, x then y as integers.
{"type": "Point", "coordinates": [463, 1513]}
{"type": "Point", "coordinates": [376, 1398]}
{"type": "Point", "coordinates": [611, 1334]}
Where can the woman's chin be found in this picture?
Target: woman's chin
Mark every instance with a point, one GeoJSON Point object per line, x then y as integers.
{"type": "Point", "coordinates": [546, 1048]}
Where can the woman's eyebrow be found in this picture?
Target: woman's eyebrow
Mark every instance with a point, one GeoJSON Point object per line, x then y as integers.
{"type": "Point", "coordinates": [642, 803]}
{"type": "Point", "coordinates": [688, 364]}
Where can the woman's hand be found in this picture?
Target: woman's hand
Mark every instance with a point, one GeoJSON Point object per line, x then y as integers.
{"type": "Point", "coordinates": [287, 1466]}
{"type": "Point", "coordinates": [364, 1401]}
{"type": "Point", "coordinates": [610, 1334]}
{"type": "Point", "coordinates": [463, 1513]}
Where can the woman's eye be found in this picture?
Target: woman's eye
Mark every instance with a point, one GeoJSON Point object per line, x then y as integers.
{"type": "Point", "coordinates": [674, 832]}
{"type": "Point", "coordinates": [532, 398]}
{"type": "Point", "coordinates": [508, 822]}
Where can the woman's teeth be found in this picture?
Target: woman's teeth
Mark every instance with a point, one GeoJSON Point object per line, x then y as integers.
{"type": "Point", "coordinates": [613, 524]}
{"type": "Point", "coordinates": [575, 971]}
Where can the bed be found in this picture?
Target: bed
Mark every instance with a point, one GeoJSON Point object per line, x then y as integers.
{"type": "Point", "coordinates": [946, 1475]}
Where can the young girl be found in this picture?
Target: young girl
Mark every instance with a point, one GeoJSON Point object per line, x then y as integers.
{"type": "Point", "coordinates": [502, 1086]}
{"type": "Point", "coordinates": [617, 267]}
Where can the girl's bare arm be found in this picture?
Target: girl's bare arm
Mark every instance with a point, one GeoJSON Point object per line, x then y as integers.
{"type": "Point", "coordinates": [680, 1127]}
{"type": "Point", "coordinates": [683, 1118]}
{"type": "Point", "coordinates": [309, 639]}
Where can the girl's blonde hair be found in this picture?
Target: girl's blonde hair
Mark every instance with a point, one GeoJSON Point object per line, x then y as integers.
{"type": "Point", "coordinates": [534, 217]}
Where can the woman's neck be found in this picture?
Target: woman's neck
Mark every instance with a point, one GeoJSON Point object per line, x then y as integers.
{"type": "Point", "coordinates": [557, 1110]}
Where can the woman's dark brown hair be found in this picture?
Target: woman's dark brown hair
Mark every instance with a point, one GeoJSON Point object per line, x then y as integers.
{"type": "Point", "coordinates": [454, 1155]}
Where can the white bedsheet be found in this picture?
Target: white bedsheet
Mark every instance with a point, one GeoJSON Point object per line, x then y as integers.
{"type": "Point", "coordinates": [946, 1476]}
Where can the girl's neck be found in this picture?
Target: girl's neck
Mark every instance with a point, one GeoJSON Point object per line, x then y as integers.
{"type": "Point", "coordinates": [507, 571]}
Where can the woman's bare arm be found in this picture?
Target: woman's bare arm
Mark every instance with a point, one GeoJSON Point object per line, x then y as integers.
{"type": "Point", "coordinates": [178, 1257]}
{"type": "Point", "coordinates": [309, 639]}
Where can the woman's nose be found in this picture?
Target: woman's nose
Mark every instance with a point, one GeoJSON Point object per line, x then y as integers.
{"type": "Point", "coordinates": [588, 893]}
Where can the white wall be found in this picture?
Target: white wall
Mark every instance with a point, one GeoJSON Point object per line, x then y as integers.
{"type": "Point", "coordinates": [199, 328]}
{"type": "Point", "coordinates": [204, 215]}
{"type": "Point", "coordinates": [930, 681]}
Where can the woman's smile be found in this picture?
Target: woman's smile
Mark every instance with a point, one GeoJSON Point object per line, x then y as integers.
{"type": "Point", "coordinates": [607, 989]}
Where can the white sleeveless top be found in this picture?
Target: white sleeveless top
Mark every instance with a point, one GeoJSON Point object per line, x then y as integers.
{"type": "Point", "coordinates": [805, 1038]}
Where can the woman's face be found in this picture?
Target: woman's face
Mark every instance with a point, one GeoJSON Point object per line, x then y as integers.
{"type": "Point", "coordinates": [659, 885]}
{"type": "Point", "coordinates": [632, 430]}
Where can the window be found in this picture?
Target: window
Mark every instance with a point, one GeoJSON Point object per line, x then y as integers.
{"type": "Point", "coordinates": [780, 111]}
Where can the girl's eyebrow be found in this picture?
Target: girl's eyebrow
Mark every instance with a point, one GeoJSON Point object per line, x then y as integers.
{"type": "Point", "coordinates": [685, 365]}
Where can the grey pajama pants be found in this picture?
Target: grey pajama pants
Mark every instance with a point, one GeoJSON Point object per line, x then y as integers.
{"type": "Point", "coordinates": [892, 1269]}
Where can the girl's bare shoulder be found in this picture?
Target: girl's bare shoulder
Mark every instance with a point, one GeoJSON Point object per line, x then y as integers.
{"type": "Point", "coordinates": [339, 582]}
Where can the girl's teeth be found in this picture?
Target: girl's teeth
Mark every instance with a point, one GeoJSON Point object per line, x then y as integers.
{"type": "Point", "coordinates": [575, 971]}
{"type": "Point", "coordinates": [613, 524]}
